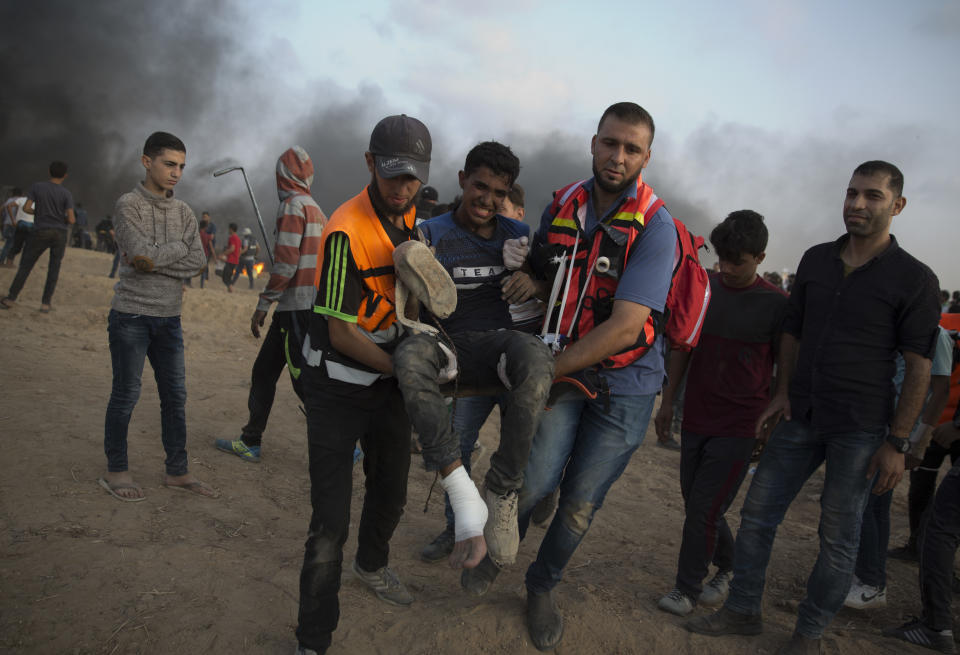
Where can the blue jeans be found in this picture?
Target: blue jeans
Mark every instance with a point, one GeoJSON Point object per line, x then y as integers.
{"type": "Point", "coordinates": [794, 452]}
{"type": "Point", "coordinates": [469, 415]}
{"type": "Point", "coordinates": [133, 338]}
{"type": "Point", "coordinates": [39, 240]}
{"type": "Point", "coordinates": [583, 450]}
{"type": "Point", "coordinates": [245, 265]}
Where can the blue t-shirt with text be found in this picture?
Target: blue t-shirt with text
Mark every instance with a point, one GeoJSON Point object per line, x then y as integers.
{"type": "Point", "coordinates": [476, 266]}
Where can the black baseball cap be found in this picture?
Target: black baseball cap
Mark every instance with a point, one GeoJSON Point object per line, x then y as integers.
{"type": "Point", "coordinates": [401, 145]}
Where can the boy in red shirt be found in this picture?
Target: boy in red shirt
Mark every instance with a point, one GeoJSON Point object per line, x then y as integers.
{"type": "Point", "coordinates": [231, 257]}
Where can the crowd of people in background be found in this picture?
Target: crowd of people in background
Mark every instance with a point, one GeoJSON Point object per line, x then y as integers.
{"type": "Point", "coordinates": [398, 303]}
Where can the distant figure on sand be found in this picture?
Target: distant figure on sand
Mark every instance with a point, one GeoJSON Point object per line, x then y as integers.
{"type": "Point", "coordinates": [300, 224]}
{"type": "Point", "coordinates": [231, 257]}
{"type": "Point", "coordinates": [157, 236]}
{"type": "Point", "coordinates": [248, 256]}
{"type": "Point", "coordinates": [52, 208]}
{"type": "Point", "coordinates": [856, 301]}
{"type": "Point", "coordinates": [9, 213]}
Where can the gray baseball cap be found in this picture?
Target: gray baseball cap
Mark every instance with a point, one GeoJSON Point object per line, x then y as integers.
{"type": "Point", "coordinates": [401, 145]}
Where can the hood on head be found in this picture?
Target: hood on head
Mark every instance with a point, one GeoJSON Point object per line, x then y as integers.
{"type": "Point", "coordinates": [294, 173]}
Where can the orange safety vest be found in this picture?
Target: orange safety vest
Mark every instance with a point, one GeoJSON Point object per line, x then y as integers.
{"type": "Point", "coordinates": [372, 252]}
{"type": "Point", "coordinates": [613, 241]}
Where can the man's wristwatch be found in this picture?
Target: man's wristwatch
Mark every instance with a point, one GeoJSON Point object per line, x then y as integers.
{"type": "Point", "coordinates": [900, 445]}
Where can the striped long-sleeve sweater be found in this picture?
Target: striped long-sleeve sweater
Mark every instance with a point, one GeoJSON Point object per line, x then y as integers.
{"type": "Point", "coordinates": [300, 223]}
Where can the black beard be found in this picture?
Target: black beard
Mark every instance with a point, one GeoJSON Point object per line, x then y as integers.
{"type": "Point", "coordinates": [381, 206]}
{"type": "Point", "coordinates": [612, 188]}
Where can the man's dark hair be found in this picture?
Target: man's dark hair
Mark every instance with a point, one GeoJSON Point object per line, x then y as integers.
{"type": "Point", "coordinates": [629, 112]}
{"type": "Point", "coordinates": [204, 213]}
{"type": "Point", "coordinates": [516, 195]}
{"type": "Point", "coordinates": [58, 169]}
{"type": "Point", "coordinates": [160, 141]}
{"type": "Point", "coordinates": [495, 156]}
{"type": "Point", "coordinates": [16, 191]}
{"type": "Point", "coordinates": [742, 232]}
{"type": "Point", "coordinates": [233, 226]}
{"type": "Point", "coordinates": [944, 295]}
{"type": "Point", "coordinates": [877, 167]}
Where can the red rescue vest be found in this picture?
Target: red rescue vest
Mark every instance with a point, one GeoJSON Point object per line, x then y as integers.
{"type": "Point", "coordinates": [610, 244]}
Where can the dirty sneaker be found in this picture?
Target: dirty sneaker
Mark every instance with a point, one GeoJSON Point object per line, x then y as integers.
{"type": "Point", "coordinates": [916, 632]}
{"type": "Point", "coordinates": [439, 548]}
{"type": "Point", "coordinates": [717, 590]}
{"type": "Point", "coordinates": [240, 449]}
{"type": "Point", "coordinates": [502, 533]}
{"type": "Point", "coordinates": [385, 584]}
{"type": "Point", "coordinates": [676, 602]}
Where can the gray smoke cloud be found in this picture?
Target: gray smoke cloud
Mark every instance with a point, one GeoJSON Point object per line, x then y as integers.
{"type": "Point", "coordinates": [87, 82]}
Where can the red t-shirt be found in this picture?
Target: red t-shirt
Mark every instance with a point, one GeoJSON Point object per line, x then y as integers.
{"type": "Point", "coordinates": [234, 256]}
{"type": "Point", "coordinates": [206, 240]}
{"type": "Point", "coordinates": [728, 384]}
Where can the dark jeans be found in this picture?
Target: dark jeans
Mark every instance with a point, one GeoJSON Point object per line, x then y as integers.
{"type": "Point", "coordinates": [38, 241]}
{"type": "Point", "coordinates": [469, 415]}
{"type": "Point", "coordinates": [204, 274]}
{"type": "Point", "coordinates": [938, 545]}
{"type": "Point", "coordinates": [134, 338]}
{"type": "Point", "coordinates": [711, 472]}
{"type": "Point", "coordinates": [583, 449]}
{"type": "Point", "coordinates": [20, 236]}
{"type": "Point", "coordinates": [8, 236]}
{"type": "Point", "coordinates": [241, 267]}
{"type": "Point", "coordinates": [227, 275]}
{"type": "Point", "coordinates": [794, 452]}
{"type": "Point", "coordinates": [266, 371]}
{"type": "Point", "coordinates": [871, 566]}
{"type": "Point", "coordinates": [334, 425]}
{"type": "Point", "coordinates": [923, 483]}
{"type": "Point", "coordinates": [529, 367]}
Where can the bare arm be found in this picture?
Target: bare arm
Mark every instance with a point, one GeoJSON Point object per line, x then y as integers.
{"type": "Point", "coordinates": [347, 338]}
{"type": "Point", "coordinates": [28, 207]}
{"type": "Point", "coordinates": [618, 332]}
{"type": "Point", "coordinates": [679, 360]}
{"type": "Point", "coordinates": [780, 403]}
{"type": "Point", "coordinates": [71, 217]}
{"type": "Point", "coordinates": [887, 463]}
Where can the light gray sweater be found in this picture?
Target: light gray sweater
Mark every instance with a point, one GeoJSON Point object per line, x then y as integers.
{"type": "Point", "coordinates": [165, 231]}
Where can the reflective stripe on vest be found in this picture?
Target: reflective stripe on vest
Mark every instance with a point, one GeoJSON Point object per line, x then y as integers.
{"type": "Point", "coordinates": [372, 252]}
{"type": "Point", "coordinates": [611, 240]}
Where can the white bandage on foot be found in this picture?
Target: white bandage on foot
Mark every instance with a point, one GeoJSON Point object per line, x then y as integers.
{"type": "Point", "coordinates": [469, 510]}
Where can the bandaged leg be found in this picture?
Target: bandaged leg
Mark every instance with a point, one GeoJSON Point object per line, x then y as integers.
{"type": "Point", "coordinates": [469, 510]}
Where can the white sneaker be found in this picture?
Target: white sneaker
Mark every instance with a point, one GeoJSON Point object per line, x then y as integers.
{"type": "Point", "coordinates": [865, 597]}
{"type": "Point", "coordinates": [717, 590]}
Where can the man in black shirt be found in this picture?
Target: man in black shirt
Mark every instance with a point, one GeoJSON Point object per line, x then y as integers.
{"type": "Point", "coordinates": [855, 303]}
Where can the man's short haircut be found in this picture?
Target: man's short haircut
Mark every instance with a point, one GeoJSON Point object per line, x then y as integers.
{"type": "Point", "coordinates": [742, 232]}
{"type": "Point", "coordinates": [17, 191]}
{"type": "Point", "coordinates": [160, 141]}
{"type": "Point", "coordinates": [233, 226]}
{"type": "Point", "coordinates": [58, 169]}
{"type": "Point", "coordinates": [629, 112]}
{"type": "Point", "coordinates": [516, 195]}
{"type": "Point", "coordinates": [877, 167]}
{"type": "Point", "coordinates": [204, 213]}
{"type": "Point", "coordinates": [495, 156]}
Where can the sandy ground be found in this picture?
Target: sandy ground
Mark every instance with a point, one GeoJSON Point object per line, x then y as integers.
{"type": "Point", "coordinates": [83, 573]}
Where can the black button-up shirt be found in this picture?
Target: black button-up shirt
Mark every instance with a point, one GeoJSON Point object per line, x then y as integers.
{"type": "Point", "coordinates": [850, 329]}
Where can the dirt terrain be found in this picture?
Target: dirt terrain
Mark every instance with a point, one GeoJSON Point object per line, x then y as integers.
{"type": "Point", "coordinates": [82, 573]}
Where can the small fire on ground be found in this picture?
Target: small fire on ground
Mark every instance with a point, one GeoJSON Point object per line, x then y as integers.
{"type": "Point", "coordinates": [257, 269]}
